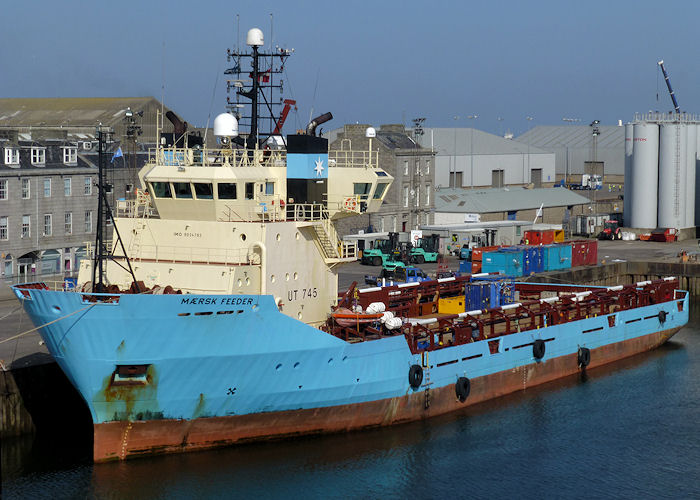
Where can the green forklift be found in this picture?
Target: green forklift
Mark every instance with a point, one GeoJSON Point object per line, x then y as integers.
{"type": "Point", "coordinates": [382, 252]}
{"type": "Point", "coordinates": [426, 249]}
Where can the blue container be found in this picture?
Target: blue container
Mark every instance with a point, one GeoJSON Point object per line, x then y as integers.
{"type": "Point", "coordinates": [488, 294]}
{"type": "Point", "coordinates": [556, 257]}
{"type": "Point", "coordinates": [465, 266]}
{"type": "Point", "coordinates": [508, 261]}
{"type": "Point", "coordinates": [533, 260]}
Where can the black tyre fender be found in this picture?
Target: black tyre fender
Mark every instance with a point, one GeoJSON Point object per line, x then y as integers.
{"type": "Point", "coordinates": [584, 356]}
{"type": "Point", "coordinates": [462, 389]}
{"type": "Point", "coordinates": [415, 376]}
{"type": "Point", "coordinates": [662, 317]}
{"type": "Point", "coordinates": [538, 348]}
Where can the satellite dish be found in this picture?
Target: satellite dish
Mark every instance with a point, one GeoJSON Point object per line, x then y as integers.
{"type": "Point", "coordinates": [255, 38]}
{"type": "Point", "coordinates": [226, 125]}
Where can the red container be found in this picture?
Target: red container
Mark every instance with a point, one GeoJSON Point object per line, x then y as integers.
{"type": "Point", "coordinates": [534, 237]}
{"type": "Point", "coordinates": [584, 252]}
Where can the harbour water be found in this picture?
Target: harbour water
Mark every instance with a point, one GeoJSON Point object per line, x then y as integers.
{"type": "Point", "coordinates": [628, 430]}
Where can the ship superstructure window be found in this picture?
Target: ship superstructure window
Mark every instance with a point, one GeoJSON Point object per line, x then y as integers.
{"type": "Point", "coordinates": [182, 190]}
{"type": "Point", "coordinates": [26, 226]}
{"type": "Point", "coordinates": [379, 192]}
{"type": "Point", "coordinates": [3, 189]}
{"type": "Point", "coordinates": [203, 191]}
{"type": "Point", "coordinates": [249, 190]}
{"type": "Point", "coordinates": [38, 156]}
{"type": "Point", "coordinates": [361, 188]}
{"type": "Point", "coordinates": [66, 186]}
{"type": "Point", "coordinates": [26, 191]}
{"type": "Point", "coordinates": [161, 189]}
{"type": "Point", "coordinates": [88, 186]}
{"type": "Point", "coordinates": [11, 156]}
{"type": "Point", "coordinates": [269, 188]}
{"type": "Point", "coordinates": [48, 226]}
{"type": "Point", "coordinates": [47, 187]}
{"type": "Point", "coordinates": [226, 190]}
{"type": "Point", "coordinates": [70, 155]}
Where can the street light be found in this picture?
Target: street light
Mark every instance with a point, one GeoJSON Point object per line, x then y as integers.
{"type": "Point", "coordinates": [526, 174]}
{"type": "Point", "coordinates": [471, 151]}
{"type": "Point", "coordinates": [453, 170]}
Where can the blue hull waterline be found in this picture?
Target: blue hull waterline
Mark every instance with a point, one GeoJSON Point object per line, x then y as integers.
{"type": "Point", "coordinates": [165, 373]}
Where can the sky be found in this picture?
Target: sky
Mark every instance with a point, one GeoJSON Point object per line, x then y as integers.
{"type": "Point", "coordinates": [368, 62]}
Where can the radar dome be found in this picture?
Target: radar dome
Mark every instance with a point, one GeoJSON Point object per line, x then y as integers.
{"type": "Point", "coordinates": [370, 132]}
{"type": "Point", "coordinates": [255, 38]}
{"type": "Point", "coordinates": [225, 125]}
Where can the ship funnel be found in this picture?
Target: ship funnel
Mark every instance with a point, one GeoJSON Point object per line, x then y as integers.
{"type": "Point", "coordinates": [180, 127]}
{"type": "Point", "coordinates": [311, 127]}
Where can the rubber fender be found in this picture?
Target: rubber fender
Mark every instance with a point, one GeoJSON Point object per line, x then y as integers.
{"type": "Point", "coordinates": [415, 376]}
{"type": "Point", "coordinates": [462, 389]}
{"type": "Point", "coordinates": [662, 316]}
{"type": "Point", "coordinates": [584, 356]}
{"type": "Point", "coordinates": [538, 348]}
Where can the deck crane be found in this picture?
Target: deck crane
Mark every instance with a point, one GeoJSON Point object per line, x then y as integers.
{"type": "Point", "coordinates": [668, 84]}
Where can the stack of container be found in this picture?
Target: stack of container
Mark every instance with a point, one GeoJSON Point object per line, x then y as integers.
{"type": "Point", "coordinates": [544, 237]}
{"type": "Point", "coordinates": [556, 257]}
{"type": "Point", "coordinates": [485, 293]}
{"type": "Point", "coordinates": [507, 261]}
{"type": "Point", "coordinates": [584, 253]}
{"type": "Point", "coordinates": [533, 260]}
{"type": "Point", "coordinates": [477, 254]}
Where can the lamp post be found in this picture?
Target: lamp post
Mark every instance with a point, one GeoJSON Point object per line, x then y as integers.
{"type": "Point", "coordinates": [526, 175]}
{"type": "Point", "coordinates": [417, 133]}
{"type": "Point", "coordinates": [453, 171]}
{"type": "Point", "coordinates": [471, 151]}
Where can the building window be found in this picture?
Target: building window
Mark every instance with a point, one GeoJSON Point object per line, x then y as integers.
{"type": "Point", "coordinates": [405, 167]}
{"type": "Point", "coordinates": [497, 178]}
{"type": "Point", "coordinates": [47, 187]}
{"type": "Point", "coordinates": [47, 225]}
{"type": "Point", "coordinates": [66, 186]}
{"type": "Point", "coordinates": [88, 186]}
{"type": "Point", "coordinates": [26, 226]}
{"type": "Point", "coordinates": [38, 156]}
{"type": "Point", "coordinates": [416, 193]}
{"type": "Point", "coordinates": [26, 192]}
{"type": "Point", "coordinates": [3, 189]}
{"type": "Point", "coordinates": [427, 167]}
{"type": "Point", "coordinates": [405, 196]}
{"type": "Point", "coordinates": [417, 167]}
{"type": "Point", "coordinates": [69, 222]}
{"type": "Point", "coordinates": [11, 156]}
{"type": "Point", "coordinates": [3, 228]}
{"type": "Point", "coordinates": [88, 221]}
{"type": "Point", "coordinates": [456, 179]}
{"type": "Point", "coordinates": [70, 156]}
{"type": "Point", "coordinates": [427, 195]}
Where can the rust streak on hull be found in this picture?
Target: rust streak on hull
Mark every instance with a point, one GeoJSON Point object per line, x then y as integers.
{"type": "Point", "coordinates": [121, 440]}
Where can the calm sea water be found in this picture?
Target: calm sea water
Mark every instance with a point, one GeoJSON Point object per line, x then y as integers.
{"type": "Point", "coordinates": [629, 430]}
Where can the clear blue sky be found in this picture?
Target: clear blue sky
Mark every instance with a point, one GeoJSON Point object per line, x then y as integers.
{"type": "Point", "coordinates": [370, 62]}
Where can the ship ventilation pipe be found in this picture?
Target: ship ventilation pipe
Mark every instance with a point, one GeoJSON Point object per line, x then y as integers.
{"type": "Point", "coordinates": [180, 127]}
{"type": "Point", "coordinates": [311, 127]}
{"type": "Point", "coordinates": [263, 279]}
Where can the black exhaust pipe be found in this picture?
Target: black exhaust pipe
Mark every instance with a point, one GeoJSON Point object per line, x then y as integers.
{"type": "Point", "coordinates": [311, 127]}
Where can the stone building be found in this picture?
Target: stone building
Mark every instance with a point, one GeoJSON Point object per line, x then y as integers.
{"type": "Point", "coordinates": [410, 200]}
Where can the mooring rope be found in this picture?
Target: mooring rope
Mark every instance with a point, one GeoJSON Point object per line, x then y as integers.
{"type": "Point", "coordinates": [12, 312]}
{"type": "Point", "coordinates": [47, 324]}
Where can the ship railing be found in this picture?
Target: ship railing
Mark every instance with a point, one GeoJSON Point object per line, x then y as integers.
{"type": "Point", "coordinates": [217, 157]}
{"type": "Point", "coordinates": [188, 255]}
{"type": "Point", "coordinates": [353, 159]}
{"type": "Point", "coordinates": [134, 209]}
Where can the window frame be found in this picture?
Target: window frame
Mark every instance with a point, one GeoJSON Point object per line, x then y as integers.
{"type": "Point", "coordinates": [48, 224]}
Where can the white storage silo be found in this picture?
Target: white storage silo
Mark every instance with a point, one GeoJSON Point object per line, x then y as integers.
{"type": "Point", "coordinates": [627, 199]}
{"type": "Point", "coordinates": [690, 175]}
{"type": "Point", "coordinates": [645, 160]}
{"type": "Point", "coordinates": [673, 140]}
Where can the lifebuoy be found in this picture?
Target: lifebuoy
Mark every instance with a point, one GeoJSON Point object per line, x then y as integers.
{"type": "Point", "coordinates": [462, 389]}
{"type": "Point", "coordinates": [415, 376]}
{"type": "Point", "coordinates": [538, 348]}
{"type": "Point", "coordinates": [662, 316]}
{"type": "Point", "coordinates": [584, 356]}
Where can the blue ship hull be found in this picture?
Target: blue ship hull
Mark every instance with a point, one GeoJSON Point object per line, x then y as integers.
{"type": "Point", "coordinates": [167, 373]}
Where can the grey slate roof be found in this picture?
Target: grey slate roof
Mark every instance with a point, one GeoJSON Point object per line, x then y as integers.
{"type": "Point", "coordinates": [455, 200]}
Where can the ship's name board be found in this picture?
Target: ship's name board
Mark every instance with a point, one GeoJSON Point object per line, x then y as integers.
{"type": "Point", "coordinates": [212, 301]}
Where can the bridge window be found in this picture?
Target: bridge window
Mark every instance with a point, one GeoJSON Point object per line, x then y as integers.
{"type": "Point", "coordinates": [182, 190]}
{"type": "Point", "coordinates": [226, 190]}
{"type": "Point", "coordinates": [379, 192]}
{"type": "Point", "coordinates": [203, 191]}
{"type": "Point", "coordinates": [361, 188]}
{"type": "Point", "coordinates": [161, 189]}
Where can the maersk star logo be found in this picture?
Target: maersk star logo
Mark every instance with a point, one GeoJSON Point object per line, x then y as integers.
{"type": "Point", "coordinates": [319, 167]}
